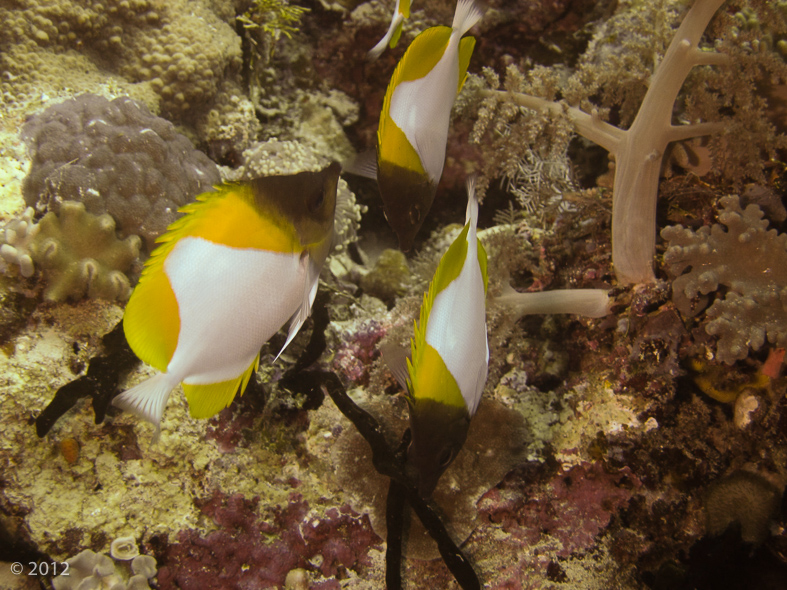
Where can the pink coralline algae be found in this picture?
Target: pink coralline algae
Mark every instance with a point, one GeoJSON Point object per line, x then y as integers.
{"type": "Point", "coordinates": [249, 551]}
{"type": "Point", "coordinates": [357, 351]}
{"type": "Point", "coordinates": [573, 508]}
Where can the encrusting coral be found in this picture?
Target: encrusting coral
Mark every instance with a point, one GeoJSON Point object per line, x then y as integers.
{"type": "Point", "coordinates": [182, 51]}
{"type": "Point", "coordinates": [117, 158]}
{"type": "Point", "coordinates": [746, 258]}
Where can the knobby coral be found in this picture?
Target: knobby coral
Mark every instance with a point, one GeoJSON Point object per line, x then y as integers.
{"type": "Point", "coordinates": [117, 158]}
{"type": "Point", "coordinates": [749, 261]}
{"type": "Point", "coordinates": [182, 51]}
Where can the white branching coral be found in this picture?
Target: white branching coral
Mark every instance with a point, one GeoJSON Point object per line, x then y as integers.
{"type": "Point", "coordinates": [743, 257]}
{"type": "Point", "coordinates": [638, 151]}
{"type": "Point", "coordinates": [15, 239]}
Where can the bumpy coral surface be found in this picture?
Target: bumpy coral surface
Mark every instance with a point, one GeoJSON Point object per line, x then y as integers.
{"type": "Point", "coordinates": [181, 50]}
{"type": "Point", "coordinates": [742, 255]}
{"type": "Point", "coordinates": [117, 158]}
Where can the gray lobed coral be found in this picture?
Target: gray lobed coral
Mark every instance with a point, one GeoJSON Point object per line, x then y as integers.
{"type": "Point", "coordinates": [117, 158]}
{"type": "Point", "coordinates": [746, 258]}
{"type": "Point", "coordinates": [96, 571]}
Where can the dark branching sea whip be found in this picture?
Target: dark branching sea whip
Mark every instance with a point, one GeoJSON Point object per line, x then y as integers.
{"type": "Point", "coordinates": [402, 490]}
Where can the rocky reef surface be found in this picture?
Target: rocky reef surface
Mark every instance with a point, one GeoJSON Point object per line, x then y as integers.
{"type": "Point", "coordinates": [643, 450]}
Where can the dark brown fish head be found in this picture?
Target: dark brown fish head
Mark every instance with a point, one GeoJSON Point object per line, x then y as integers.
{"type": "Point", "coordinates": [306, 199]}
{"type": "Point", "coordinates": [439, 430]}
{"type": "Point", "coordinates": [407, 197]}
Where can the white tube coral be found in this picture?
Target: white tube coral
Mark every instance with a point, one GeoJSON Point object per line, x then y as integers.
{"type": "Point", "coordinates": [592, 303]}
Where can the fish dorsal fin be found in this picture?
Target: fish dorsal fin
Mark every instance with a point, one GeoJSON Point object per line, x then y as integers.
{"type": "Point", "coordinates": [482, 263]}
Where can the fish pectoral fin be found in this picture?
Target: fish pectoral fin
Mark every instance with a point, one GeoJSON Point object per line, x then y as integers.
{"type": "Point", "coordinates": [395, 358]}
{"type": "Point", "coordinates": [363, 164]}
{"type": "Point", "coordinates": [312, 273]}
{"type": "Point", "coordinates": [147, 399]}
{"type": "Point", "coordinates": [207, 399]}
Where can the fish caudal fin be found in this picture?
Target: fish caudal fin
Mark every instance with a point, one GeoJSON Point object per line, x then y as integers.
{"type": "Point", "coordinates": [472, 203]}
{"type": "Point", "coordinates": [467, 14]}
{"type": "Point", "coordinates": [148, 399]}
{"type": "Point", "coordinates": [391, 36]}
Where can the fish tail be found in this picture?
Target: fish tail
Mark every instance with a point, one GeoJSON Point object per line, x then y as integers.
{"type": "Point", "coordinates": [472, 203]}
{"type": "Point", "coordinates": [148, 399]}
{"type": "Point", "coordinates": [467, 14]}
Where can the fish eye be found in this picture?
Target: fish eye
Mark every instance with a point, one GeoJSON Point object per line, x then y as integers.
{"type": "Point", "coordinates": [445, 457]}
{"type": "Point", "coordinates": [415, 214]}
{"type": "Point", "coordinates": [317, 203]}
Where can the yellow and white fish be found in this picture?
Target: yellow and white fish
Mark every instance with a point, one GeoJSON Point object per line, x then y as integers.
{"type": "Point", "coordinates": [225, 278]}
{"type": "Point", "coordinates": [450, 355]}
{"type": "Point", "coordinates": [391, 38]}
{"type": "Point", "coordinates": [413, 129]}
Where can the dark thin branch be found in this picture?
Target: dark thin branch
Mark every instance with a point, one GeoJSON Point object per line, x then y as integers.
{"type": "Point", "coordinates": [100, 383]}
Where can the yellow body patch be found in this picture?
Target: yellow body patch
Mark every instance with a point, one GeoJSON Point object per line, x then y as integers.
{"type": "Point", "coordinates": [208, 399]}
{"type": "Point", "coordinates": [152, 308]}
{"type": "Point", "coordinates": [229, 216]}
{"type": "Point", "coordinates": [431, 379]}
{"type": "Point", "coordinates": [232, 217]}
{"type": "Point", "coordinates": [422, 364]}
{"type": "Point", "coordinates": [394, 147]}
{"type": "Point", "coordinates": [422, 55]}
